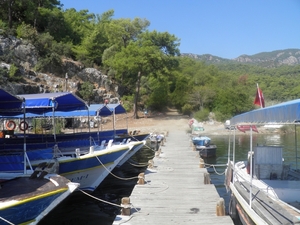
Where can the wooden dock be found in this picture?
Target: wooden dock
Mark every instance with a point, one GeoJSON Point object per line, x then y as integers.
{"type": "Point", "coordinates": [174, 191]}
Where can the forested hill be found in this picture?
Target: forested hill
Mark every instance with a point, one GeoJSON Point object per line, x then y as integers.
{"type": "Point", "coordinates": [45, 48]}
{"type": "Point", "coordinates": [272, 59]}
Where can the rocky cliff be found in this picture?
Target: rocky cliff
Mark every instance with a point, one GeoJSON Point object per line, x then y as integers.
{"type": "Point", "coordinates": [23, 55]}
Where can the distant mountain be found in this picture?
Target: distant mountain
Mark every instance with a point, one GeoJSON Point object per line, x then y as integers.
{"type": "Point", "coordinates": [272, 59]}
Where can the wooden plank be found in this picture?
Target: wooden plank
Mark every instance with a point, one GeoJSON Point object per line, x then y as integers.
{"type": "Point", "coordinates": [174, 191]}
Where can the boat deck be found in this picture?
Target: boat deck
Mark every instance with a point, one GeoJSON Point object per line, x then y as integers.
{"type": "Point", "coordinates": [174, 191]}
{"type": "Point", "coordinates": [272, 211]}
{"type": "Point", "coordinates": [23, 188]}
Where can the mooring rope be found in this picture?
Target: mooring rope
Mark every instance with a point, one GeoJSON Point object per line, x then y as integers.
{"type": "Point", "coordinates": [121, 178]}
{"type": "Point", "coordinates": [214, 167]}
{"type": "Point", "coordinates": [165, 188]}
{"type": "Point", "coordinates": [101, 200]}
{"type": "Point", "coordinates": [6, 220]}
{"type": "Point", "coordinates": [136, 164]}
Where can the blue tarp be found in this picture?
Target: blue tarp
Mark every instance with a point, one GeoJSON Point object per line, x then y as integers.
{"type": "Point", "coordinates": [10, 104]}
{"type": "Point", "coordinates": [92, 110]}
{"type": "Point", "coordinates": [283, 113]}
{"type": "Point", "coordinates": [65, 105]}
{"type": "Point", "coordinates": [44, 102]}
{"type": "Point", "coordinates": [116, 108]}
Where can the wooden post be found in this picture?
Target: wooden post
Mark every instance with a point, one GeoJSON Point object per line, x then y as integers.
{"type": "Point", "coordinates": [150, 164]}
{"type": "Point", "coordinates": [141, 178]}
{"type": "Point", "coordinates": [201, 163]}
{"type": "Point", "coordinates": [207, 178]}
{"type": "Point", "coordinates": [126, 206]}
{"type": "Point", "coordinates": [220, 209]}
{"type": "Point", "coordinates": [194, 147]}
{"type": "Point", "coordinates": [158, 152]}
{"type": "Point", "coordinates": [162, 141]}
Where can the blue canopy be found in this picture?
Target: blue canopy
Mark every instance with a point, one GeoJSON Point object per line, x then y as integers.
{"type": "Point", "coordinates": [10, 104]}
{"type": "Point", "coordinates": [92, 110]}
{"type": "Point", "coordinates": [45, 102]}
{"type": "Point", "coordinates": [116, 108]}
{"type": "Point", "coordinates": [283, 113]}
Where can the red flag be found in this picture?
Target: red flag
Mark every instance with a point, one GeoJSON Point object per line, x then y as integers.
{"type": "Point", "coordinates": [259, 99]}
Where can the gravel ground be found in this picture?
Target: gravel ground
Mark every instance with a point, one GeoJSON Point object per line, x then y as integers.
{"type": "Point", "coordinates": [171, 120]}
{"type": "Point", "coordinates": [163, 122]}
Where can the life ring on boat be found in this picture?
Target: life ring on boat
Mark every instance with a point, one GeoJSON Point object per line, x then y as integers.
{"type": "Point", "coordinates": [23, 126]}
{"type": "Point", "coordinates": [232, 208]}
{"type": "Point", "coordinates": [10, 125]}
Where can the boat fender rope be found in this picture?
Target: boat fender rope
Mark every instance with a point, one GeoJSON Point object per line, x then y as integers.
{"type": "Point", "coordinates": [232, 208]}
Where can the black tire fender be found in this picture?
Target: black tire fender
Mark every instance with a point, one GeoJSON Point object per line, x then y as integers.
{"type": "Point", "coordinates": [232, 208]}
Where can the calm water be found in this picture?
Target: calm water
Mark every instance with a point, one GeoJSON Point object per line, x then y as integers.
{"type": "Point", "coordinates": [242, 143]}
{"type": "Point", "coordinates": [82, 209]}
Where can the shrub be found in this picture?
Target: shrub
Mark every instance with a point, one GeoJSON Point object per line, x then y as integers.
{"type": "Point", "coordinates": [202, 115]}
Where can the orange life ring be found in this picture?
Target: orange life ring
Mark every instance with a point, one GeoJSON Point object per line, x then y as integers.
{"type": "Point", "coordinates": [23, 125]}
{"type": "Point", "coordinates": [10, 125]}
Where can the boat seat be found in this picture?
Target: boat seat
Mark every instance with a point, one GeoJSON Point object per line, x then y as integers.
{"type": "Point", "coordinates": [102, 143]}
{"type": "Point", "coordinates": [109, 144]}
{"type": "Point", "coordinates": [123, 142]}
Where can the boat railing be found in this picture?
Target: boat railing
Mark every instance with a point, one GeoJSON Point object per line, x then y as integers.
{"type": "Point", "coordinates": [248, 184]}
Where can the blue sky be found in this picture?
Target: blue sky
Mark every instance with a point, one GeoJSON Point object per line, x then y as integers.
{"type": "Point", "coordinates": [224, 28]}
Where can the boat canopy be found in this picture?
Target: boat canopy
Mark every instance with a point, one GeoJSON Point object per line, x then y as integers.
{"type": "Point", "coordinates": [91, 110]}
{"type": "Point", "coordinates": [47, 102]}
{"type": "Point", "coordinates": [283, 113]}
{"type": "Point", "coordinates": [64, 104]}
{"type": "Point", "coordinates": [116, 108]}
{"type": "Point", "coordinates": [10, 104]}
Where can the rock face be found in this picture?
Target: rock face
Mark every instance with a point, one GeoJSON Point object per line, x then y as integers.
{"type": "Point", "coordinates": [272, 59]}
{"type": "Point", "coordinates": [265, 59]}
{"type": "Point", "coordinates": [24, 56]}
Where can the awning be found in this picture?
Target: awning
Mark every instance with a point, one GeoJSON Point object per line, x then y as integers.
{"type": "Point", "coordinates": [116, 108]}
{"type": "Point", "coordinates": [283, 113]}
{"type": "Point", "coordinates": [46, 102]}
{"type": "Point", "coordinates": [10, 104]}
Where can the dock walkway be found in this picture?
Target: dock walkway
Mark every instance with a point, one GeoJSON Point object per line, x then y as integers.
{"type": "Point", "coordinates": [174, 191]}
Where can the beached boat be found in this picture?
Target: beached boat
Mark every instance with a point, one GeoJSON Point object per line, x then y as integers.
{"type": "Point", "coordinates": [204, 146]}
{"type": "Point", "coordinates": [264, 188]}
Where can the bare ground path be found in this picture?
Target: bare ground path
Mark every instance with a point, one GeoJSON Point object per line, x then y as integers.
{"type": "Point", "coordinates": [167, 121]}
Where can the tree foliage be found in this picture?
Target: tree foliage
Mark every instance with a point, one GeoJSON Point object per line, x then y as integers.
{"type": "Point", "coordinates": [146, 65]}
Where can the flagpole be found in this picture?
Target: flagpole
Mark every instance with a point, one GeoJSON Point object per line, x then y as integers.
{"type": "Point", "coordinates": [259, 96]}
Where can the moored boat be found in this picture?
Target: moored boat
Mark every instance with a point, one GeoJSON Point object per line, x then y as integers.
{"type": "Point", "coordinates": [87, 164]}
{"type": "Point", "coordinates": [264, 187]}
{"type": "Point", "coordinates": [204, 146]}
{"type": "Point", "coordinates": [27, 200]}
